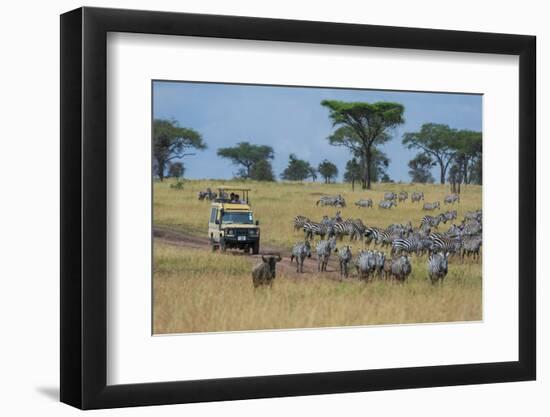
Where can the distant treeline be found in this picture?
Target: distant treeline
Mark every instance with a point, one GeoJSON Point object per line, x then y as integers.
{"type": "Point", "coordinates": [359, 127]}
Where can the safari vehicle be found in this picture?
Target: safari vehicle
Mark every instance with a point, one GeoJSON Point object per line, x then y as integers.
{"type": "Point", "coordinates": [231, 223]}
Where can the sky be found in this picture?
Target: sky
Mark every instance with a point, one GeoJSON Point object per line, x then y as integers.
{"type": "Point", "coordinates": [292, 120]}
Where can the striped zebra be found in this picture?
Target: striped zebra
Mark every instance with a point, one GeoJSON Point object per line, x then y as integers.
{"type": "Point", "coordinates": [390, 196]}
{"type": "Point", "coordinates": [364, 202]}
{"type": "Point", "coordinates": [346, 228]}
{"type": "Point", "coordinates": [324, 249]}
{"type": "Point", "coordinates": [452, 198]}
{"type": "Point", "coordinates": [370, 234]}
{"type": "Point", "coordinates": [473, 215]}
{"type": "Point", "coordinates": [471, 247]}
{"type": "Point", "coordinates": [300, 251]}
{"type": "Point", "coordinates": [431, 206]}
{"type": "Point", "coordinates": [410, 245]}
{"type": "Point", "coordinates": [432, 221]}
{"type": "Point", "coordinates": [387, 204]}
{"type": "Point", "coordinates": [335, 201]}
{"type": "Point", "coordinates": [450, 215]}
{"type": "Point", "coordinates": [318, 229]}
{"type": "Point", "coordinates": [384, 238]}
{"type": "Point", "coordinates": [365, 264]}
{"type": "Point", "coordinates": [403, 196]}
{"type": "Point", "coordinates": [299, 222]}
{"type": "Point", "coordinates": [417, 196]}
{"type": "Point", "coordinates": [344, 257]}
{"type": "Point", "coordinates": [438, 266]}
{"type": "Point", "coordinates": [442, 243]}
{"type": "Point", "coordinates": [401, 268]}
{"type": "Point", "coordinates": [471, 228]}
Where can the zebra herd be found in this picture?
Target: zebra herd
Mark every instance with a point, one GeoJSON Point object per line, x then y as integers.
{"type": "Point", "coordinates": [463, 240]}
{"type": "Point", "coordinates": [390, 200]}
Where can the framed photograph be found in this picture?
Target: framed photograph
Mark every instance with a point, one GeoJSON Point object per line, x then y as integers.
{"type": "Point", "coordinates": [257, 208]}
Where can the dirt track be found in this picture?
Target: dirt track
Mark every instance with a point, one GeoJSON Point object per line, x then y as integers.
{"type": "Point", "coordinates": [172, 237]}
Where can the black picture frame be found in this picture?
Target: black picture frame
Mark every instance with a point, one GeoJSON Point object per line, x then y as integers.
{"type": "Point", "coordinates": [84, 207]}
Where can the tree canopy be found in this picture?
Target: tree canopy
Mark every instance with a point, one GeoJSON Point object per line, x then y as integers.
{"type": "Point", "coordinates": [262, 171]}
{"type": "Point", "coordinates": [420, 168]}
{"type": "Point", "coordinates": [176, 170]}
{"type": "Point", "coordinates": [297, 169]}
{"type": "Point", "coordinates": [245, 155]}
{"type": "Point", "coordinates": [361, 126]}
{"type": "Point", "coordinates": [328, 171]}
{"type": "Point", "coordinates": [170, 142]}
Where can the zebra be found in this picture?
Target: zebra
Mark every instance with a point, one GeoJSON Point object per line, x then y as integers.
{"type": "Point", "coordinates": [473, 215]}
{"type": "Point", "coordinates": [432, 221]}
{"type": "Point", "coordinates": [403, 195]}
{"type": "Point", "coordinates": [370, 234]}
{"type": "Point", "coordinates": [390, 196]}
{"type": "Point", "coordinates": [344, 256]}
{"type": "Point", "coordinates": [319, 229]}
{"type": "Point", "coordinates": [417, 196]}
{"type": "Point", "coordinates": [324, 249]}
{"type": "Point", "coordinates": [364, 202]}
{"type": "Point", "coordinates": [387, 204]}
{"type": "Point", "coordinates": [299, 222]}
{"type": "Point", "coordinates": [450, 215]}
{"type": "Point", "coordinates": [346, 228]}
{"type": "Point", "coordinates": [471, 228]}
{"type": "Point", "coordinates": [336, 201]}
{"type": "Point", "coordinates": [379, 260]}
{"type": "Point", "coordinates": [431, 206]}
{"type": "Point", "coordinates": [365, 264]}
{"type": "Point", "coordinates": [384, 238]}
{"type": "Point", "coordinates": [398, 246]}
{"type": "Point", "coordinates": [300, 251]}
{"type": "Point", "coordinates": [441, 243]}
{"type": "Point", "coordinates": [400, 229]}
{"type": "Point", "coordinates": [471, 246]}
{"type": "Point", "coordinates": [438, 266]}
{"type": "Point", "coordinates": [454, 231]}
{"type": "Point", "coordinates": [401, 268]}
{"type": "Point", "coordinates": [452, 198]}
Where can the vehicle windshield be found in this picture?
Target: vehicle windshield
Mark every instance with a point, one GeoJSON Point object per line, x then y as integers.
{"type": "Point", "coordinates": [237, 217]}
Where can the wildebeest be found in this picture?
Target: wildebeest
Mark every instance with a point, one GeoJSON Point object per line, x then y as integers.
{"type": "Point", "coordinates": [264, 273]}
{"type": "Point", "coordinates": [438, 266]}
{"type": "Point", "coordinates": [344, 256]}
{"type": "Point", "coordinates": [364, 202]}
{"type": "Point", "coordinates": [450, 199]}
{"type": "Point", "coordinates": [387, 204]}
{"type": "Point", "coordinates": [431, 206]}
{"type": "Point", "coordinates": [401, 268]}
{"type": "Point", "coordinates": [300, 251]}
{"type": "Point", "coordinates": [417, 196]}
{"type": "Point", "coordinates": [324, 249]}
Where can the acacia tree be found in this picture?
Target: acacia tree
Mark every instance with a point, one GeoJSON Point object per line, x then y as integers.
{"type": "Point", "coordinates": [312, 174]}
{"type": "Point", "coordinates": [176, 170]}
{"type": "Point", "coordinates": [262, 171]}
{"type": "Point", "coordinates": [435, 140]}
{"type": "Point", "coordinates": [468, 149]}
{"type": "Point", "coordinates": [420, 167]}
{"type": "Point", "coordinates": [353, 172]}
{"type": "Point", "coordinates": [246, 155]}
{"type": "Point", "coordinates": [170, 141]}
{"type": "Point", "coordinates": [328, 171]}
{"type": "Point", "coordinates": [361, 126]}
{"type": "Point", "coordinates": [297, 169]}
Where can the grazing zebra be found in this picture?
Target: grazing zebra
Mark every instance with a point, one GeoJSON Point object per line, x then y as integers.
{"type": "Point", "coordinates": [390, 196]}
{"type": "Point", "coordinates": [471, 228]}
{"type": "Point", "coordinates": [300, 251]}
{"type": "Point", "coordinates": [387, 204]}
{"type": "Point", "coordinates": [403, 195]}
{"type": "Point", "coordinates": [432, 221]}
{"type": "Point", "coordinates": [370, 234]}
{"type": "Point", "coordinates": [401, 268]}
{"type": "Point", "coordinates": [471, 246]}
{"type": "Point", "coordinates": [438, 266]}
{"type": "Point", "coordinates": [299, 222]}
{"type": "Point", "coordinates": [344, 256]}
{"type": "Point", "coordinates": [417, 196]}
{"type": "Point", "coordinates": [431, 206]}
{"type": "Point", "coordinates": [364, 202]}
{"type": "Point", "coordinates": [365, 264]}
{"type": "Point", "coordinates": [402, 230]}
{"type": "Point", "coordinates": [450, 215]}
{"type": "Point", "coordinates": [473, 215]}
{"type": "Point", "coordinates": [336, 201]}
{"type": "Point", "coordinates": [452, 198]}
{"type": "Point", "coordinates": [324, 249]}
{"type": "Point", "coordinates": [319, 229]}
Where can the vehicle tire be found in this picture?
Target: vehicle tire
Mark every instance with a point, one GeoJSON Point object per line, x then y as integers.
{"type": "Point", "coordinates": [256, 247]}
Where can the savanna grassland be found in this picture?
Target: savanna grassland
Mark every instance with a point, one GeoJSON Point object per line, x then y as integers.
{"type": "Point", "coordinates": [196, 290]}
